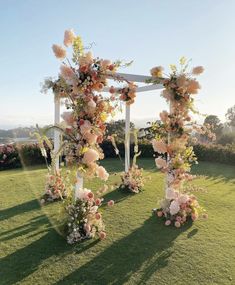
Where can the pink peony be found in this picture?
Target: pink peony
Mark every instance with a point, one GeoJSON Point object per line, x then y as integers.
{"type": "Point", "coordinates": [159, 146]}
{"type": "Point", "coordinates": [160, 162]}
{"type": "Point", "coordinates": [69, 37]}
{"type": "Point", "coordinates": [90, 156]}
{"type": "Point", "coordinates": [197, 70]}
{"type": "Point", "coordinates": [66, 72]}
{"type": "Point", "coordinates": [110, 203]}
{"type": "Point", "coordinates": [59, 51]}
{"type": "Point", "coordinates": [98, 201]}
{"type": "Point", "coordinates": [102, 173]}
{"type": "Point", "coordinates": [177, 224]}
{"type": "Point", "coordinates": [102, 235]}
{"type": "Point", "coordinates": [167, 222]}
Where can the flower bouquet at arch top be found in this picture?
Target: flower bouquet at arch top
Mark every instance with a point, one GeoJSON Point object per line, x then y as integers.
{"type": "Point", "coordinates": [175, 154]}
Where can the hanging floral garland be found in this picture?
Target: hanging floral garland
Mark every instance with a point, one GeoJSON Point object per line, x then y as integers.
{"type": "Point", "coordinates": [175, 155]}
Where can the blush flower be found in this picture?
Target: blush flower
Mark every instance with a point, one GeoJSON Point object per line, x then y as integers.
{"type": "Point", "coordinates": [59, 51]}
{"type": "Point", "coordinates": [167, 222]}
{"type": "Point", "coordinates": [197, 70]}
{"type": "Point", "coordinates": [90, 156]}
{"type": "Point", "coordinates": [174, 207]}
{"type": "Point", "coordinates": [159, 146]}
{"type": "Point", "coordinates": [69, 37]}
{"type": "Point", "coordinates": [102, 173]}
{"type": "Point", "coordinates": [160, 162]}
{"type": "Point", "coordinates": [177, 224]}
{"type": "Point", "coordinates": [110, 203]}
{"type": "Point", "coordinates": [66, 72]}
{"type": "Point", "coordinates": [102, 235]}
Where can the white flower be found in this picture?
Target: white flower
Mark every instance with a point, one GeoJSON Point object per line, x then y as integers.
{"type": "Point", "coordinates": [171, 194]}
{"type": "Point", "coordinates": [174, 207]}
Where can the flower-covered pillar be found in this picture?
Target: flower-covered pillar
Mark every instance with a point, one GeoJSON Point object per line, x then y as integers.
{"type": "Point", "coordinates": [172, 143]}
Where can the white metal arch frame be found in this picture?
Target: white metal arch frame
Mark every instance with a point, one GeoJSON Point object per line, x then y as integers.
{"type": "Point", "coordinates": [128, 77]}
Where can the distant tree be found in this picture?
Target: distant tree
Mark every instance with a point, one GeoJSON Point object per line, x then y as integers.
{"type": "Point", "coordinates": [118, 128]}
{"type": "Point", "coordinates": [216, 125]}
{"type": "Point", "coordinates": [230, 116]}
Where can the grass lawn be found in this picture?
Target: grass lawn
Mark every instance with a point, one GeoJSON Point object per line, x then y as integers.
{"type": "Point", "coordinates": [139, 249]}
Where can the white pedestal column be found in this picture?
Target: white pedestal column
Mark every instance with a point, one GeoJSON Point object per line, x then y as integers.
{"type": "Point", "coordinates": [127, 138]}
{"type": "Point", "coordinates": [79, 184]}
{"type": "Point", "coordinates": [56, 132]}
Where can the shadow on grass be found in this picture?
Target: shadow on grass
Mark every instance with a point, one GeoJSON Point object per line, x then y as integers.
{"type": "Point", "coordinates": [116, 195]}
{"type": "Point", "coordinates": [148, 246]}
{"type": "Point", "coordinates": [33, 225]}
{"type": "Point", "coordinates": [215, 172]}
{"type": "Point", "coordinates": [19, 209]}
{"type": "Point", "coordinates": [23, 262]}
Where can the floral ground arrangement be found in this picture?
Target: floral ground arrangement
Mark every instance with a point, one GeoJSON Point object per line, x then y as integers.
{"type": "Point", "coordinates": [145, 251]}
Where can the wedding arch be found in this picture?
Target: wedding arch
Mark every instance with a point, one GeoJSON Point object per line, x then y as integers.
{"type": "Point", "coordinates": [81, 85]}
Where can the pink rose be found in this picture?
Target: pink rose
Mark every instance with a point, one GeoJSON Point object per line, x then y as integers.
{"type": "Point", "coordinates": [68, 117]}
{"type": "Point", "coordinates": [90, 195]}
{"type": "Point", "coordinates": [98, 216]}
{"type": "Point", "coordinates": [102, 235]}
{"type": "Point", "coordinates": [85, 127]}
{"type": "Point", "coordinates": [167, 222]}
{"type": "Point", "coordinates": [98, 202]}
{"type": "Point", "coordinates": [159, 213]}
{"type": "Point", "coordinates": [110, 203]}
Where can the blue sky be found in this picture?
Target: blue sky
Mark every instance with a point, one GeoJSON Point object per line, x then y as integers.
{"type": "Point", "coordinates": [150, 32]}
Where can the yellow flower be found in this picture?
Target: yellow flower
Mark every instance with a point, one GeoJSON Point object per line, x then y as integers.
{"type": "Point", "coordinates": [78, 45]}
{"type": "Point", "coordinates": [103, 117]}
{"type": "Point", "coordinates": [173, 67]}
{"type": "Point", "coordinates": [183, 60]}
{"type": "Point", "coordinates": [156, 71]}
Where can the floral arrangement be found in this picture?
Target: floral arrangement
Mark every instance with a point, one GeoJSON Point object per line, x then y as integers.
{"type": "Point", "coordinates": [175, 156]}
{"type": "Point", "coordinates": [84, 219]}
{"type": "Point", "coordinates": [179, 210]}
{"type": "Point", "coordinates": [56, 186]}
{"type": "Point", "coordinates": [80, 81]}
{"type": "Point", "coordinates": [126, 94]}
{"type": "Point", "coordinates": [132, 180]}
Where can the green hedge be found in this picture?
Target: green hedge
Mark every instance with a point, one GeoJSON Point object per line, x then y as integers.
{"type": "Point", "coordinates": [29, 154]}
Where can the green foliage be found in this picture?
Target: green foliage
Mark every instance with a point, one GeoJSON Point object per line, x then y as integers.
{"type": "Point", "coordinates": [230, 116]}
